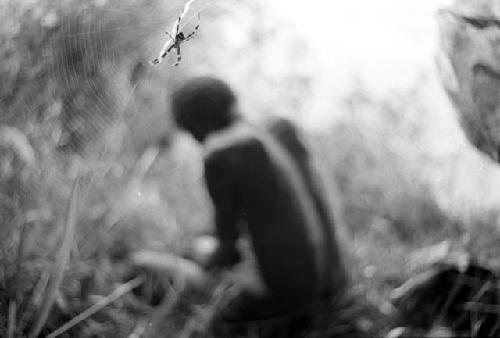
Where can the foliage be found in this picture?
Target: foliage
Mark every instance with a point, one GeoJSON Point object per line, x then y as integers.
{"type": "Point", "coordinates": [78, 100]}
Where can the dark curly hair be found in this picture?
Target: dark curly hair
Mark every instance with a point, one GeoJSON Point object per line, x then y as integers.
{"type": "Point", "coordinates": [203, 105]}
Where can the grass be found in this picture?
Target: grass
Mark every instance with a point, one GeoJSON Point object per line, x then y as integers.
{"type": "Point", "coordinates": [63, 238]}
{"type": "Point", "coordinates": [60, 263]}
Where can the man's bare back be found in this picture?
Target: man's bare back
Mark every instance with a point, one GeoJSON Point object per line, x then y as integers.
{"type": "Point", "coordinates": [260, 182]}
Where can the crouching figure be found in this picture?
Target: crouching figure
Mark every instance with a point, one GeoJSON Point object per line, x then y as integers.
{"type": "Point", "coordinates": [262, 184]}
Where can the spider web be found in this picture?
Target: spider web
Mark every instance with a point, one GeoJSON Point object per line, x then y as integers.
{"type": "Point", "coordinates": [97, 50]}
{"type": "Point", "coordinates": [97, 95]}
{"type": "Point", "coordinates": [98, 46]}
{"type": "Point", "coordinates": [103, 76]}
{"type": "Point", "coordinates": [80, 77]}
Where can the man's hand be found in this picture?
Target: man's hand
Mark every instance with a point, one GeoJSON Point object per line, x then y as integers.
{"type": "Point", "coordinates": [223, 258]}
{"type": "Point", "coordinates": [208, 253]}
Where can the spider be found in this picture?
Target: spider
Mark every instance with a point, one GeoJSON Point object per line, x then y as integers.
{"type": "Point", "coordinates": [177, 38]}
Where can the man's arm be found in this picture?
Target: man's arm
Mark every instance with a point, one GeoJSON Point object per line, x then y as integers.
{"type": "Point", "coordinates": [289, 137]}
{"type": "Point", "coordinates": [219, 177]}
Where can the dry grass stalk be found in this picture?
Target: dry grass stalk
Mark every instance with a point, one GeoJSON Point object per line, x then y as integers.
{"type": "Point", "coordinates": [494, 329]}
{"type": "Point", "coordinates": [451, 297]}
{"type": "Point", "coordinates": [483, 308]}
{"type": "Point", "coordinates": [60, 262]}
{"type": "Point", "coordinates": [186, 275]}
{"type": "Point", "coordinates": [144, 163]}
{"type": "Point", "coordinates": [140, 329]}
{"type": "Point", "coordinates": [35, 300]}
{"type": "Point", "coordinates": [136, 175]}
{"type": "Point", "coordinates": [101, 304]}
{"type": "Point", "coordinates": [158, 317]}
{"type": "Point", "coordinates": [11, 329]}
{"type": "Point", "coordinates": [486, 286]}
{"type": "Point", "coordinates": [224, 292]}
{"type": "Point", "coordinates": [40, 287]}
{"type": "Point", "coordinates": [18, 141]}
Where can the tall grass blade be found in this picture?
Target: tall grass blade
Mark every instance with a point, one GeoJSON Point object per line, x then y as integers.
{"type": "Point", "coordinates": [60, 262]}
{"type": "Point", "coordinates": [11, 329]}
{"type": "Point", "coordinates": [117, 293]}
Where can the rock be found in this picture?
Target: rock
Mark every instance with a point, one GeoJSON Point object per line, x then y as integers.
{"type": "Point", "coordinates": [469, 65]}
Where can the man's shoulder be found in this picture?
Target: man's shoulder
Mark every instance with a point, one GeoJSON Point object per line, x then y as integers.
{"type": "Point", "coordinates": [279, 124]}
{"type": "Point", "coordinates": [288, 135]}
{"type": "Point", "coordinates": [238, 139]}
{"type": "Point", "coordinates": [230, 152]}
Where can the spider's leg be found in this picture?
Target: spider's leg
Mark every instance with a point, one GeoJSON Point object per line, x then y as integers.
{"type": "Point", "coordinates": [174, 45]}
{"type": "Point", "coordinates": [178, 26]}
{"type": "Point", "coordinates": [159, 58]}
{"type": "Point", "coordinates": [170, 36]}
{"type": "Point", "coordinates": [192, 34]}
{"type": "Point", "coordinates": [178, 49]}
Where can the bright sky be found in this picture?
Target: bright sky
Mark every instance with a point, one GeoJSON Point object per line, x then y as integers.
{"type": "Point", "coordinates": [385, 41]}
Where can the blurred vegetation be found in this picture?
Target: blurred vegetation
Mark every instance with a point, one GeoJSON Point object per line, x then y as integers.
{"type": "Point", "coordinates": [79, 103]}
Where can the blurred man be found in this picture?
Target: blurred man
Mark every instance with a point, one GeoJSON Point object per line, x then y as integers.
{"type": "Point", "coordinates": [261, 183]}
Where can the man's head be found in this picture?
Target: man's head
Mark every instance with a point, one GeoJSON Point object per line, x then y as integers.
{"type": "Point", "coordinates": [203, 105]}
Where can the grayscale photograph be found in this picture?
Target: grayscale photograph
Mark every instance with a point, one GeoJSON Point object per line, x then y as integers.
{"type": "Point", "coordinates": [249, 168]}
